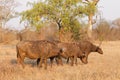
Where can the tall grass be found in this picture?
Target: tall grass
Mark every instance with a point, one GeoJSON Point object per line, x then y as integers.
{"type": "Point", "coordinates": [99, 67]}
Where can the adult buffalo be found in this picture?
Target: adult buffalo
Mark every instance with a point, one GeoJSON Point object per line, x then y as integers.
{"type": "Point", "coordinates": [72, 51]}
{"type": "Point", "coordinates": [86, 48]}
{"type": "Point", "coordinates": [36, 49]}
{"type": "Point", "coordinates": [69, 50]}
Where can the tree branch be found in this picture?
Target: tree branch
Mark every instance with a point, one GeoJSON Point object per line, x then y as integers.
{"type": "Point", "coordinates": [95, 1]}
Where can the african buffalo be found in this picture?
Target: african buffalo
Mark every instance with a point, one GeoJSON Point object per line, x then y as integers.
{"type": "Point", "coordinates": [57, 58]}
{"type": "Point", "coordinates": [37, 50]}
{"type": "Point", "coordinates": [86, 48]}
{"type": "Point", "coordinates": [70, 50]}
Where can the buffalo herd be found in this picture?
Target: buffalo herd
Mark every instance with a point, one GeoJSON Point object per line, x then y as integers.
{"type": "Point", "coordinates": [44, 49]}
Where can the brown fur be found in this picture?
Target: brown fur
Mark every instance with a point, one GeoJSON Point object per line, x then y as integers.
{"type": "Point", "coordinates": [70, 50]}
{"type": "Point", "coordinates": [36, 49]}
{"type": "Point", "coordinates": [87, 47]}
{"type": "Point", "coordinates": [57, 58]}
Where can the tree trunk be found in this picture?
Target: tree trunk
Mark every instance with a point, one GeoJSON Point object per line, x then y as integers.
{"type": "Point", "coordinates": [89, 32]}
{"type": "Point", "coordinates": [60, 26]}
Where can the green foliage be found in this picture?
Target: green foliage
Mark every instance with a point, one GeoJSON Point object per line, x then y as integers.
{"type": "Point", "coordinates": [65, 13]}
{"type": "Point", "coordinates": [51, 10]}
{"type": "Point", "coordinates": [90, 8]}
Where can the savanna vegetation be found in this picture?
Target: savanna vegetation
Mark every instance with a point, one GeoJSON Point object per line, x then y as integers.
{"type": "Point", "coordinates": [67, 21]}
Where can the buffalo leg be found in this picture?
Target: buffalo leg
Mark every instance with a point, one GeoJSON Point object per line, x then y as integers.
{"type": "Point", "coordinates": [45, 62]}
{"type": "Point", "coordinates": [51, 61]}
{"type": "Point", "coordinates": [75, 58]}
{"type": "Point", "coordinates": [22, 61]}
{"type": "Point", "coordinates": [18, 59]}
{"type": "Point", "coordinates": [38, 60]}
{"type": "Point", "coordinates": [72, 60]}
{"type": "Point", "coordinates": [67, 60]}
{"type": "Point", "coordinates": [40, 64]}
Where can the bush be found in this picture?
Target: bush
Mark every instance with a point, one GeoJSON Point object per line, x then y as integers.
{"type": "Point", "coordinates": [104, 31]}
{"type": "Point", "coordinates": [7, 36]}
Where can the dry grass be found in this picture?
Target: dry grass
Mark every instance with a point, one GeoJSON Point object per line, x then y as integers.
{"type": "Point", "coordinates": [100, 67]}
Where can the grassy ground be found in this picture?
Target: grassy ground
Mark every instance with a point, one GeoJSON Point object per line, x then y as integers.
{"type": "Point", "coordinates": [100, 67]}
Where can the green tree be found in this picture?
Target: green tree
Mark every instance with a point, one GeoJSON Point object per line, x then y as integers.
{"type": "Point", "coordinates": [66, 13]}
{"type": "Point", "coordinates": [90, 10]}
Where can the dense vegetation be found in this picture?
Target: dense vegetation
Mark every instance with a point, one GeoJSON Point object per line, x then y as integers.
{"type": "Point", "coordinates": [66, 13]}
